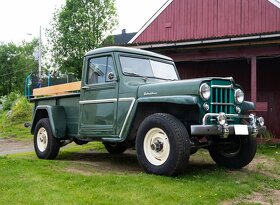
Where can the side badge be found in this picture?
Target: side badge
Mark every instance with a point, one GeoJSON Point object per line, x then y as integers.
{"type": "Point", "coordinates": [149, 93]}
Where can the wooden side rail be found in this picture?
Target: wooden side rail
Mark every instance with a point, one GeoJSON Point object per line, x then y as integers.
{"type": "Point", "coordinates": [57, 89]}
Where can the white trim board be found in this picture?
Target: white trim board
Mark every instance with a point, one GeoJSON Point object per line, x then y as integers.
{"type": "Point", "coordinates": [167, 3]}
{"type": "Point", "coordinates": [275, 2]}
{"type": "Point", "coordinates": [151, 45]}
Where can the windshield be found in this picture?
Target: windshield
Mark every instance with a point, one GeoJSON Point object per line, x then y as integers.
{"type": "Point", "coordinates": [148, 68]}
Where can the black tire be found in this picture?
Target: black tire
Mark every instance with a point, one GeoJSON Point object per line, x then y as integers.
{"type": "Point", "coordinates": [114, 148]}
{"type": "Point", "coordinates": [175, 136]}
{"type": "Point", "coordinates": [79, 142]}
{"type": "Point", "coordinates": [52, 145]}
{"type": "Point", "coordinates": [239, 153]}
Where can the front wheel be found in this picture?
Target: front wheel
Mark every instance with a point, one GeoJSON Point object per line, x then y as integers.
{"type": "Point", "coordinates": [162, 145]}
{"type": "Point", "coordinates": [45, 144]}
{"type": "Point", "coordinates": [236, 152]}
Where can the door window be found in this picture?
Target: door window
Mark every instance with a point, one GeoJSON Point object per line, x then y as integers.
{"type": "Point", "coordinates": [99, 70]}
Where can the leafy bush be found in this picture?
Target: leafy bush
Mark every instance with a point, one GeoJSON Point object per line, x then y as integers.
{"type": "Point", "coordinates": [21, 110]}
{"type": "Point", "coordinates": [8, 100]}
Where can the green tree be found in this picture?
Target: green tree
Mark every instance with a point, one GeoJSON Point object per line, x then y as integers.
{"type": "Point", "coordinates": [79, 26]}
{"type": "Point", "coordinates": [16, 62]}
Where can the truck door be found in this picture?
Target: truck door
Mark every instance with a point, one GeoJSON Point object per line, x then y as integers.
{"type": "Point", "coordinates": [98, 104]}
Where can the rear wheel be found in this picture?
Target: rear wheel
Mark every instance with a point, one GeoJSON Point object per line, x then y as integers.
{"type": "Point", "coordinates": [45, 144]}
{"type": "Point", "coordinates": [115, 148]}
{"type": "Point", "coordinates": [237, 152]}
{"type": "Point", "coordinates": [162, 145]}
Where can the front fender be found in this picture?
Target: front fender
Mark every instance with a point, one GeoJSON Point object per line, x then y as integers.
{"type": "Point", "coordinates": [178, 99]}
{"type": "Point", "coordinates": [248, 106]}
{"type": "Point", "coordinates": [57, 118]}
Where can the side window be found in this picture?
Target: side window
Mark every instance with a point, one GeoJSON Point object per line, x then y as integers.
{"type": "Point", "coordinates": [98, 70]}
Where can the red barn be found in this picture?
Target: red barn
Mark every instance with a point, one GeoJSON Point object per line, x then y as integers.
{"type": "Point", "coordinates": [239, 38]}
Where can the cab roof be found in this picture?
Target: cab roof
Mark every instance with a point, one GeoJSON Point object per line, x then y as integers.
{"type": "Point", "coordinates": [126, 50]}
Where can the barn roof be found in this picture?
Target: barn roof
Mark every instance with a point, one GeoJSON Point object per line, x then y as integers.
{"type": "Point", "coordinates": [191, 20]}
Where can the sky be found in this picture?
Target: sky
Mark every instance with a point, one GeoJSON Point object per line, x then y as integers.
{"type": "Point", "coordinates": [20, 20]}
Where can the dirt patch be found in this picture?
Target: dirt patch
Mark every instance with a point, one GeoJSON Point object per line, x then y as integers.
{"type": "Point", "coordinates": [95, 161]}
{"type": "Point", "coordinates": [78, 171]}
{"type": "Point", "coordinates": [8, 146]}
{"type": "Point", "coordinates": [263, 165]}
{"type": "Point", "coordinates": [265, 197]}
{"type": "Point", "coordinates": [127, 162]}
{"type": "Point", "coordinates": [103, 161]}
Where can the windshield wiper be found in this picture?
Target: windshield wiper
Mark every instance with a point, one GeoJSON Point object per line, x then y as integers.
{"type": "Point", "coordinates": [160, 78]}
{"type": "Point", "coordinates": [132, 74]}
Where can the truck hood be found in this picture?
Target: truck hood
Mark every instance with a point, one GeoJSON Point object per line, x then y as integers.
{"type": "Point", "coordinates": [180, 87]}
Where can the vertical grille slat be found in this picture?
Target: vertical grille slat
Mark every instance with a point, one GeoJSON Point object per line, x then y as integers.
{"type": "Point", "coordinates": [216, 100]}
{"type": "Point", "coordinates": [226, 100]}
{"type": "Point", "coordinates": [231, 97]}
{"type": "Point", "coordinates": [221, 99]}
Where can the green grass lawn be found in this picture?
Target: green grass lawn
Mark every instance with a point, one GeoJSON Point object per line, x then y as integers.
{"type": "Point", "coordinates": [28, 180]}
{"type": "Point", "coordinates": [14, 129]}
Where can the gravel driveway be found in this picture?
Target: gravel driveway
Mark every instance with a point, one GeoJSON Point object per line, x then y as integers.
{"type": "Point", "coordinates": [8, 146]}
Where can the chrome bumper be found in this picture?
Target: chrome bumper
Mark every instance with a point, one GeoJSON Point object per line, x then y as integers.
{"type": "Point", "coordinates": [254, 127]}
{"type": "Point", "coordinates": [220, 130]}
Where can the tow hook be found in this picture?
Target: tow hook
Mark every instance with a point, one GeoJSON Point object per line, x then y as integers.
{"type": "Point", "coordinates": [224, 130]}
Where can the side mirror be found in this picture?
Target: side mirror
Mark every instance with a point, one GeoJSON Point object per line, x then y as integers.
{"type": "Point", "coordinates": [111, 76]}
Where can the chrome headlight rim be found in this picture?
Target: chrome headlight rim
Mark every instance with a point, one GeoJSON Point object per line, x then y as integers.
{"type": "Point", "coordinates": [204, 91]}
{"type": "Point", "coordinates": [239, 96]}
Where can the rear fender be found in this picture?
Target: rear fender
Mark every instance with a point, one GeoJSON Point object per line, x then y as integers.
{"type": "Point", "coordinates": [57, 118]}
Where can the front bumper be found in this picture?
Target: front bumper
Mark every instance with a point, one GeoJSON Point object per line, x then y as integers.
{"type": "Point", "coordinates": [253, 128]}
{"type": "Point", "coordinates": [218, 130]}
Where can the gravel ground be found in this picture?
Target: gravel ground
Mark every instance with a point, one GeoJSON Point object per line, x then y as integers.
{"type": "Point", "coordinates": [8, 146]}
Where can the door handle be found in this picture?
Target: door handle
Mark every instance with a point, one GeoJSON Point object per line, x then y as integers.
{"type": "Point", "coordinates": [85, 87]}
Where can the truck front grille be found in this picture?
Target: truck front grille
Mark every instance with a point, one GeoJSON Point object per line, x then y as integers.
{"type": "Point", "coordinates": [222, 99]}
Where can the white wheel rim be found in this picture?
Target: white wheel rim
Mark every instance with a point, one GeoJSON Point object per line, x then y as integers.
{"type": "Point", "coordinates": [42, 139]}
{"type": "Point", "coordinates": [156, 146]}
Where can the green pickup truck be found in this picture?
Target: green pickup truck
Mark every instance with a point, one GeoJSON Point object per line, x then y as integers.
{"type": "Point", "coordinates": [135, 98]}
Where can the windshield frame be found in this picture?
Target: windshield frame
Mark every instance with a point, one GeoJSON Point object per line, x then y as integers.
{"type": "Point", "coordinates": [149, 58]}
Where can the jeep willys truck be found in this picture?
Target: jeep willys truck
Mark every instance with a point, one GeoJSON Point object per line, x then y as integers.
{"type": "Point", "coordinates": [134, 98]}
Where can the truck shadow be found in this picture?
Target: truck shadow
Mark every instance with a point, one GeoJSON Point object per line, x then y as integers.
{"type": "Point", "coordinates": [127, 162]}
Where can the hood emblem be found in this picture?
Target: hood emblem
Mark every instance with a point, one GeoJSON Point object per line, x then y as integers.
{"type": "Point", "coordinates": [149, 93]}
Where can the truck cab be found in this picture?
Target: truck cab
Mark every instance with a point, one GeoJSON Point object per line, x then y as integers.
{"type": "Point", "coordinates": [134, 98]}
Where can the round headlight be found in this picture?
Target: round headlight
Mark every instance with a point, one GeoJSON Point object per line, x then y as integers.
{"type": "Point", "coordinates": [204, 91]}
{"type": "Point", "coordinates": [239, 96]}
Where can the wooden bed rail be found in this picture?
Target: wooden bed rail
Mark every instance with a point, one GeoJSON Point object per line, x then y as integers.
{"type": "Point", "coordinates": [61, 89]}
